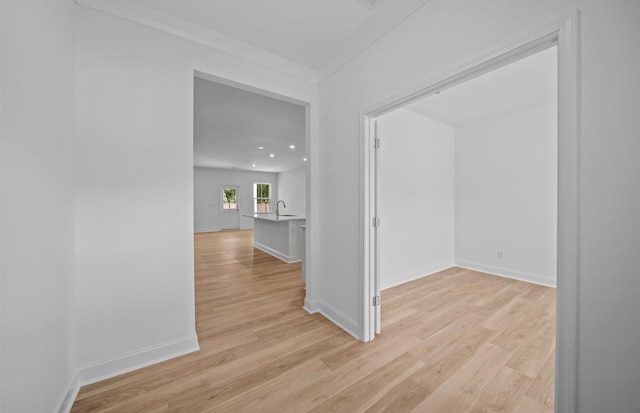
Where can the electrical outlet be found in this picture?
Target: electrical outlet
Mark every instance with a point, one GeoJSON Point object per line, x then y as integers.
{"type": "Point", "coordinates": [500, 254]}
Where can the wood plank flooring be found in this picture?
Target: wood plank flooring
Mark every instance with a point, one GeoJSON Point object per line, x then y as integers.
{"type": "Point", "coordinates": [457, 341]}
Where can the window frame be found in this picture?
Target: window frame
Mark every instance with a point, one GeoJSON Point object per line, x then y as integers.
{"type": "Point", "coordinates": [257, 198]}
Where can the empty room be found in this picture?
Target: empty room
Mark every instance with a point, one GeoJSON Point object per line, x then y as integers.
{"type": "Point", "coordinates": [467, 194]}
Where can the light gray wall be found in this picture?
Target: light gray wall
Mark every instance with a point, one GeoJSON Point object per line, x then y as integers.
{"type": "Point", "coordinates": [416, 192]}
{"type": "Point", "coordinates": [207, 196]}
{"type": "Point", "coordinates": [506, 194]}
{"type": "Point", "coordinates": [37, 356]}
{"type": "Point", "coordinates": [444, 34]}
{"type": "Point", "coordinates": [292, 189]}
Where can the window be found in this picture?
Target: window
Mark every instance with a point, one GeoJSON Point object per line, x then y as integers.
{"type": "Point", "coordinates": [261, 197]}
{"type": "Point", "coordinates": [229, 198]}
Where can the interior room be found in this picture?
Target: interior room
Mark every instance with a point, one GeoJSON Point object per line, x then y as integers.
{"type": "Point", "coordinates": [461, 174]}
{"type": "Point", "coordinates": [468, 177]}
{"type": "Point", "coordinates": [99, 284]}
{"type": "Point", "coordinates": [243, 138]}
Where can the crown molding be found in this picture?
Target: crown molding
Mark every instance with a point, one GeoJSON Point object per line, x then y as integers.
{"type": "Point", "coordinates": [154, 19]}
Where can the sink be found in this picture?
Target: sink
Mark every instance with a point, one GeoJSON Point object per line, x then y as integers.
{"type": "Point", "coordinates": [287, 215]}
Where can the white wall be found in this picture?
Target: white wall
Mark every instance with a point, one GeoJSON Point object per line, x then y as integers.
{"type": "Point", "coordinates": [37, 277]}
{"type": "Point", "coordinates": [135, 215]}
{"type": "Point", "coordinates": [415, 196]}
{"type": "Point", "coordinates": [208, 200]}
{"type": "Point", "coordinates": [292, 189]}
{"type": "Point", "coordinates": [444, 34]}
{"type": "Point", "coordinates": [506, 194]}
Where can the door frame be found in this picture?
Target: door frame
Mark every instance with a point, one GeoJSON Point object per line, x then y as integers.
{"type": "Point", "coordinates": [563, 33]}
{"type": "Point", "coordinates": [311, 153]}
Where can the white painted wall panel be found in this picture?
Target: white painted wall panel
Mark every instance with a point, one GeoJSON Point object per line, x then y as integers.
{"type": "Point", "coordinates": [292, 189]}
{"type": "Point", "coordinates": [415, 196]}
{"type": "Point", "coordinates": [506, 194]}
{"type": "Point", "coordinates": [38, 341]}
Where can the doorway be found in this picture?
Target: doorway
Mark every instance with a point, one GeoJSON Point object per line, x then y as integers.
{"type": "Point", "coordinates": [562, 34]}
{"type": "Point", "coordinates": [251, 150]}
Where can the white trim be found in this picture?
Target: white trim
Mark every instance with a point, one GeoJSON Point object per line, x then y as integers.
{"type": "Point", "coordinates": [247, 88]}
{"type": "Point", "coordinates": [136, 360]}
{"type": "Point", "coordinates": [69, 396]}
{"type": "Point", "coordinates": [166, 23]}
{"type": "Point", "coordinates": [312, 199]}
{"type": "Point", "coordinates": [564, 33]}
{"type": "Point", "coordinates": [367, 242]}
{"type": "Point", "coordinates": [206, 229]}
{"type": "Point", "coordinates": [412, 276]}
{"type": "Point", "coordinates": [310, 306]}
{"type": "Point", "coordinates": [504, 272]}
{"type": "Point", "coordinates": [286, 258]}
{"type": "Point", "coordinates": [335, 316]}
{"type": "Point", "coordinates": [217, 229]}
{"type": "Point", "coordinates": [567, 346]}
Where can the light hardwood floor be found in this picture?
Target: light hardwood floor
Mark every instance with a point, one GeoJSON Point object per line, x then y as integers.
{"type": "Point", "coordinates": [457, 341]}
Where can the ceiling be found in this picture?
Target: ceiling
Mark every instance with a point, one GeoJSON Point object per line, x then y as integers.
{"type": "Point", "coordinates": [313, 33]}
{"type": "Point", "coordinates": [525, 83]}
{"type": "Point", "coordinates": [230, 124]}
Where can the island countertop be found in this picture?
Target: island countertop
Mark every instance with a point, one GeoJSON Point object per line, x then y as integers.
{"type": "Point", "coordinates": [273, 217]}
{"type": "Point", "coordinates": [277, 236]}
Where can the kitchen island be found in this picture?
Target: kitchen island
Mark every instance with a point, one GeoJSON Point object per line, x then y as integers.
{"type": "Point", "coordinates": [277, 235]}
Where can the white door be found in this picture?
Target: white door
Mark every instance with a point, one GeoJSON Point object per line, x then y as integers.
{"type": "Point", "coordinates": [372, 302]}
{"type": "Point", "coordinates": [230, 213]}
{"type": "Point", "coordinates": [376, 229]}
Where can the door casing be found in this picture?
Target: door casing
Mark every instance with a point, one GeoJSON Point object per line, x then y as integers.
{"type": "Point", "coordinates": [563, 33]}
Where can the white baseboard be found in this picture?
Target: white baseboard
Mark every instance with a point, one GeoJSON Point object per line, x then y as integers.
{"type": "Point", "coordinates": [206, 229]}
{"type": "Point", "coordinates": [286, 258]}
{"type": "Point", "coordinates": [388, 282]}
{"type": "Point", "coordinates": [310, 307]}
{"type": "Point", "coordinates": [136, 360]}
{"type": "Point", "coordinates": [336, 316]}
{"type": "Point", "coordinates": [503, 272]}
{"type": "Point", "coordinates": [69, 396]}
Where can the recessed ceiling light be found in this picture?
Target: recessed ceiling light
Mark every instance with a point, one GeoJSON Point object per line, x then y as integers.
{"type": "Point", "coordinates": [304, 159]}
{"type": "Point", "coordinates": [272, 155]}
{"type": "Point", "coordinates": [292, 146]}
{"type": "Point", "coordinates": [260, 147]}
{"type": "Point", "coordinates": [254, 165]}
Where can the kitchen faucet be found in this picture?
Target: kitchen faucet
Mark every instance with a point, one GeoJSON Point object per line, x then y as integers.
{"type": "Point", "coordinates": [278, 207]}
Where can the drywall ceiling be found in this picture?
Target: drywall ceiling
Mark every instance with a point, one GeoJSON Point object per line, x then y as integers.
{"type": "Point", "coordinates": [231, 124]}
{"type": "Point", "coordinates": [314, 33]}
{"type": "Point", "coordinates": [525, 83]}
